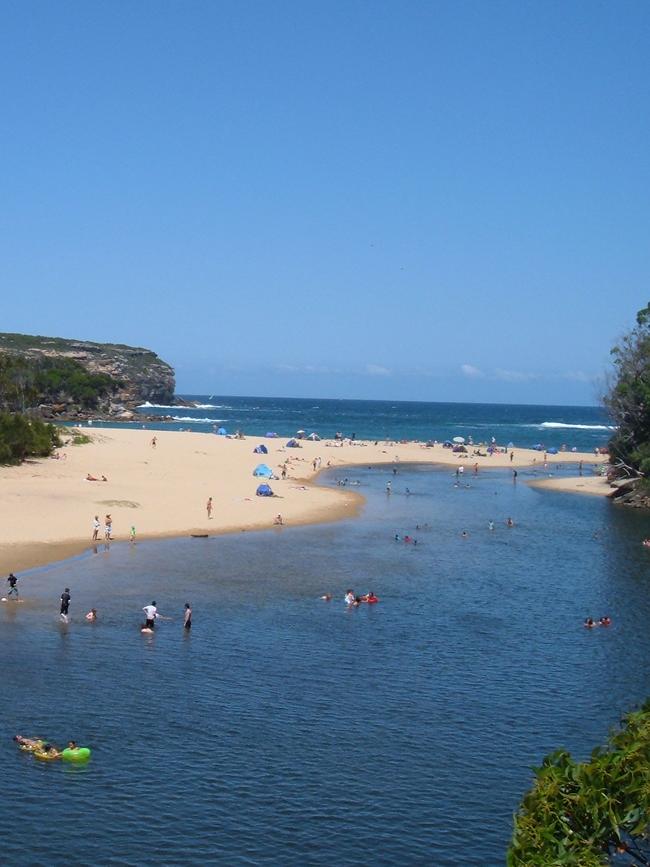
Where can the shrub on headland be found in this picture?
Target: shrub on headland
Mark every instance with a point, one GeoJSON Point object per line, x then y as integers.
{"type": "Point", "coordinates": [22, 437]}
{"type": "Point", "coordinates": [587, 813]}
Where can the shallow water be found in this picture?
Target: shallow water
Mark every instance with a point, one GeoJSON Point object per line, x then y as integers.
{"type": "Point", "coordinates": [287, 730]}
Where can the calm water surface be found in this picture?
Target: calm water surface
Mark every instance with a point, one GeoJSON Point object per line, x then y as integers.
{"type": "Point", "coordinates": [286, 730]}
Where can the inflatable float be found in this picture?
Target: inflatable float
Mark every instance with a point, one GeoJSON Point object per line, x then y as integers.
{"type": "Point", "coordinates": [46, 757]}
{"type": "Point", "coordinates": [79, 754]}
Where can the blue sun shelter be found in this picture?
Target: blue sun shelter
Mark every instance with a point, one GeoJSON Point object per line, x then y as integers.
{"type": "Point", "coordinates": [263, 470]}
{"type": "Point", "coordinates": [293, 444]}
{"type": "Point", "coordinates": [221, 432]}
{"type": "Point", "coordinates": [261, 449]}
{"type": "Point", "coordinates": [264, 491]}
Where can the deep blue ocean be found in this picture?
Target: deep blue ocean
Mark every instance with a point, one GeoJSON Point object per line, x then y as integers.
{"type": "Point", "coordinates": [286, 730]}
{"type": "Point", "coordinates": [581, 426]}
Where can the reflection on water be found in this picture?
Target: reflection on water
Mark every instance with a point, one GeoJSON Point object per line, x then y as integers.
{"type": "Point", "coordinates": [289, 730]}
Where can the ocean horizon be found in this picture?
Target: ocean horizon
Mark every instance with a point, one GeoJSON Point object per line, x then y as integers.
{"type": "Point", "coordinates": [581, 427]}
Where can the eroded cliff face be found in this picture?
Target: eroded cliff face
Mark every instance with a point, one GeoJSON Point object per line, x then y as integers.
{"type": "Point", "coordinates": [139, 374]}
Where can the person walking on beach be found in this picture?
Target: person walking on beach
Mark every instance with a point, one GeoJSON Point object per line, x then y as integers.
{"type": "Point", "coordinates": [187, 616]}
{"type": "Point", "coordinates": [132, 534]}
{"type": "Point", "coordinates": [151, 613]}
{"type": "Point", "coordinates": [12, 581]}
{"type": "Point", "coordinates": [96, 526]}
{"type": "Point", "coordinates": [153, 442]}
{"type": "Point", "coordinates": [65, 604]}
{"type": "Point", "coordinates": [108, 527]}
{"type": "Point", "coordinates": [208, 507]}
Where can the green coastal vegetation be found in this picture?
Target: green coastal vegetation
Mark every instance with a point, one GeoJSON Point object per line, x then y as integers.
{"type": "Point", "coordinates": [584, 813]}
{"type": "Point", "coordinates": [27, 382]}
{"type": "Point", "coordinates": [22, 437]}
{"type": "Point", "coordinates": [628, 401]}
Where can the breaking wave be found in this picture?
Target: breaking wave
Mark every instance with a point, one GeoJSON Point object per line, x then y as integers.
{"type": "Point", "coordinates": [560, 424]}
{"type": "Point", "coordinates": [194, 420]}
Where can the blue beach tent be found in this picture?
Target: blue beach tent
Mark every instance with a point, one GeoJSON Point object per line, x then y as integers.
{"type": "Point", "coordinates": [264, 491]}
{"type": "Point", "coordinates": [263, 470]}
{"type": "Point", "coordinates": [221, 432]}
{"type": "Point", "coordinates": [261, 450]}
{"type": "Point", "coordinates": [552, 450]}
{"type": "Point", "coordinates": [270, 434]}
{"type": "Point", "coordinates": [293, 444]}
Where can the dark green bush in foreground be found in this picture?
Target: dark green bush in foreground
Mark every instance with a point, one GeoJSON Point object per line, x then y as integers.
{"type": "Point", "coordinates": [581, 813]}
{"type": "Point", "coordinates": [21, 437]}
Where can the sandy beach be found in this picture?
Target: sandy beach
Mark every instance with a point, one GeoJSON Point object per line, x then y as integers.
{"type": "Point", "coordinates": [47, 506]}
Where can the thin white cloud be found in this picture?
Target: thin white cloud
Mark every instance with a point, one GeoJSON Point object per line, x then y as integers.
{"type": "Point", "coordinates": [377, 370]}
{"type": "Point", "coordinates": [514, 375]}
{"type": "Point", "coordinates": [577, 376]}
{"type": "Point", "coordinates": [471, 371]}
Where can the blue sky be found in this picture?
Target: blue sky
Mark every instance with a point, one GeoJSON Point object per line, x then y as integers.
{"type": "Point", "coordinates": [427, 201]}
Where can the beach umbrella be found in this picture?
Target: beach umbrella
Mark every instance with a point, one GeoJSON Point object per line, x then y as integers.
{"type": "Point", "coordinates": [459, 439]}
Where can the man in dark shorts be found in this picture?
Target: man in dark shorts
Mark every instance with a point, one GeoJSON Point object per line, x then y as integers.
{"type": "Point", "coordinates": [150, 612]}
{"type": "Point", "coordinates": [65, 604]}
{"type": "Point", "coordinates": [12, 581]}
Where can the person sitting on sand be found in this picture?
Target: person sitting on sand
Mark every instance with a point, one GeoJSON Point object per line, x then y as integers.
{"type": "Point", "coordinates": [278, 520]}
{"type": "Point", "coordinates": [589, 623]}
{"type": "Point", "coordinates": [104, 479]}
{"type": "Point", "coordinates": [92, 614]}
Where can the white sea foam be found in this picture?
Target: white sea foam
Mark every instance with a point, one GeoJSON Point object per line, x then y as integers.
{"type": "Point", "coordinates": [210, 406]}
{"type": "Point", "coordinates": [147, 405]}
{"type": "Point", "coordinates": [198, 420]}
{"type": "Point", "coordinates": [560, 424]}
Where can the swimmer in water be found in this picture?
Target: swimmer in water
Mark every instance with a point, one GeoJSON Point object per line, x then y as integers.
{"type": "Point", "coordinates": [605, 621]}
{"type": "Point", "coordinates": [327, 597]}
{"type": "Point", "coordinates": [349, 598]}
{"type": "Point", "coordinates": [510, 522]}
{"type": "Point", "coordinates": [589, 623]}
{"type": "Point", "coordinates": [464, 534]}
{"type": "Point", "coordinates": [490, 525]}
{"type": "Point", "coordinates": [92, 614]}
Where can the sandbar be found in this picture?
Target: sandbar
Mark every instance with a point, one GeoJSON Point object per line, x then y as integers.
{"type": "Point", "coordinates": [47, 505]}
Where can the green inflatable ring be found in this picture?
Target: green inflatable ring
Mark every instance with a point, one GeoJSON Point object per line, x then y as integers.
{"type": "Point", "coordinates": [80, 754]}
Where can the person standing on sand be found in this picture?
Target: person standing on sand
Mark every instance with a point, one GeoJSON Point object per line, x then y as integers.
{"type": "Point", "coordinates": [96, 528]}
{"type": "Point", "coordinates": [12, 581]}
{"type": "Point", "coordinates": [65, 604]}
{"type": "Point", "coordinates": [108, 527]}
{"type": "Point", "coordinates": [153, 442]}
{"type": "Point", "coordinates": [187, 616]}
{"type": "Point", "coordinates": [208, 507]}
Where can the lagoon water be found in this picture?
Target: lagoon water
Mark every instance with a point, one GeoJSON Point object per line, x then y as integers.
{"type": "Point", "coordinates": [286, 730]}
